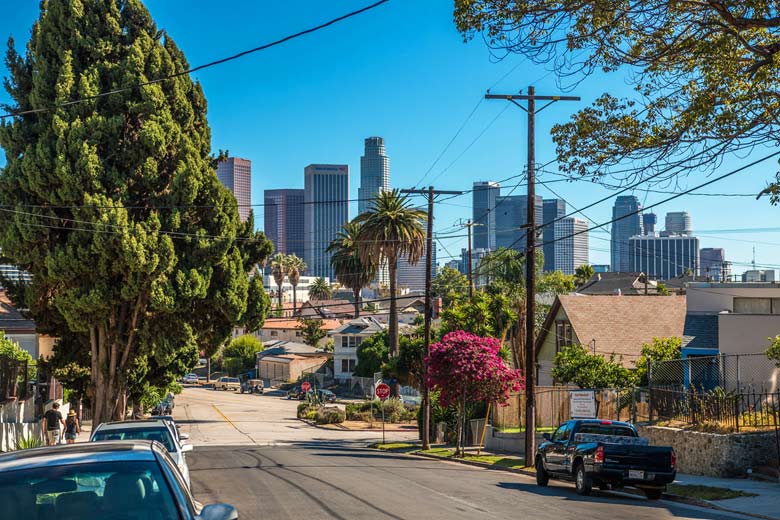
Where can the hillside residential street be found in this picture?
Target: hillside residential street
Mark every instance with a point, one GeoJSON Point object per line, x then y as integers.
{"type": "Point", "coordinates": [252, 452]}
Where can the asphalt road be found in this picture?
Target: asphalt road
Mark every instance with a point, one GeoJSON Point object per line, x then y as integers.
{"type": "Point", "coordinates": [270, 466]}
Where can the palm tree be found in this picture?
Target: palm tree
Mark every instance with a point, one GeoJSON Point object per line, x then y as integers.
{"type": "Point", "coordinates": [391, 228]}
{"type": "Point", "coordinates": [582, 274]}
{"type": "Point", "coordinates": [278, 271]}
{"type": "Point", "coordinates": [294, 266]}
{"type": "Point", "coordinates": [320, 289]}
{"type": "Point", "coordinates": [350, 271]}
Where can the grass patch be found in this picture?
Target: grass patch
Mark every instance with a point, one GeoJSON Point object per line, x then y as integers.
{"type": "Point", "coordinates": [395, 446]}
{"type": "Point", "coordinates": [546, 429]}
{"type": "Point", "coordinates": [439, 452]}
{"type": "Point", "coordinates": [706, 492]}
{"type": "Point", "coordinates": [493, 460]}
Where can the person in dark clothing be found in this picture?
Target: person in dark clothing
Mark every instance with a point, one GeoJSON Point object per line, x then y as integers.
{"type": "Point", "coordinates": [72, 427]}
{"type": "Point", "coordinates": [51, 424]}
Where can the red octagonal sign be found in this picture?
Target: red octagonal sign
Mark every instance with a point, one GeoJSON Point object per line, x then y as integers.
{"type": "Point", "coordinates": [305, 386]}
{"type": "Point", "coordinates": [382, 391]}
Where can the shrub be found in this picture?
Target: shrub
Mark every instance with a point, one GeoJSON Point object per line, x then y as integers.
{"type": "Point", "coordinates": [330, 415]}
{"type": "Point", "coordinates": [302, 409]}
{"type": "Point", "coordinates": [31, 441]}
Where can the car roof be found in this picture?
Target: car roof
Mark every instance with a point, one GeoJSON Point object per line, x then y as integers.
{"type": "Point", "coordinates": [81, 453]}
{"type": "Point", "coordinates": [605, 422]}
{"type": "Point", "coordinates": [131, 425]}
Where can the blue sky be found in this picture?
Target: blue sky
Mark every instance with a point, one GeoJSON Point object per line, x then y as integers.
{"type": "Point", "coordinates": [403, 72]}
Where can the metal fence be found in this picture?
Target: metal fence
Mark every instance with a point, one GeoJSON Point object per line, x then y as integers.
{"type": "Point", "coordinates": [362, 387]}
{"type": "Point", "coordinates": [14, 379]}
{"type": "Point", "coordinates": [740, 373]}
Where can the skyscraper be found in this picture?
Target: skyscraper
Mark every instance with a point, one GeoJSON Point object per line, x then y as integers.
{"type": "Point", "coordinates": [374, 172]}
{"type": "Point", "coordinates": [236, 175]}
{"type": "Point", "coordinates": [552, 209]}
{"type": "Point", "coordinates": [512, 213]}
{"type": "Point", "coordinates": [623, 229]}
{"type": "Point", "coordinates": [665, 257]}
{"type": "Point", "coordinates": [649, 220]}
{"type": "Point", "coordinates": [484, 196]}
{"type": "Point", "coordinates": [326, 191]}
{"type": "Point", "coordinates": [713, 263]}
{"type": "Point", "coordinates": [283, 220]}
{"type": "Point", "coordinates": [571, 248]}
{"type": "Point", "coordinates": [678, 223]}
{"type": "Point", "coordinates": [412, 277]}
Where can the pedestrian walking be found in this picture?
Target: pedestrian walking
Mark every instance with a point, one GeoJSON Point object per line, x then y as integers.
{"type": "Point", "coordinates": [52, 420]}
{"type": "Point", "coordinates": [72, 427]}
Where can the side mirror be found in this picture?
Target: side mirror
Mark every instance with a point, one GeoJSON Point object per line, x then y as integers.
{"type": "Point", "coordinates": [184, 436]}
{"type": "Point", "coordinates": [218, 512]}
{"type": "Point", "coordinates": [546, 436]}
{"type": "Point", "coordinates": [187, 447]}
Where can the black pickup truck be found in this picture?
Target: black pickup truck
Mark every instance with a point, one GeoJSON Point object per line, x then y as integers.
{"type": "Point", "coordinates": [609, 454]}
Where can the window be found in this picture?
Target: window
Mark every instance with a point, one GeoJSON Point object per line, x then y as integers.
{"type": "Point", "coordinates": [344, 341]}
{"type": "Point", "coordinates": [754, 306]}
{"type": "Point", "coordinates": [350, 341]}
{"type": "Point", "coordinates": [297, 334]}
{"type": "Point", "coordinates": [348, 365]}
{"type": "Point", "coordinates": [274, 333]}
{"type": "Point", "coordinates": [352, 365]}
{"type": "Point", "coordinates": [564, 335]}
{"type": "Point", "coordinates": [562, 433]}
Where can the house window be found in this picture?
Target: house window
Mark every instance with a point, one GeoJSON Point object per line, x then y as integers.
{"type": "Point", "coordinates": [563, 335]}
{"type": "Point", "coordinates": [348, 365]}
{"type": "Point", "coordinates": [755, 306]}
{"type": "Point", "coordinates": [274, 333]}
{"type": "Point", "coordinates": [297, 334]}
{"type": "Point", "coordinates": [351, 365]}
{"type": "Point", "coordinates": [344, 342]}
{"type": "Point", "coordinates": [350, 341]}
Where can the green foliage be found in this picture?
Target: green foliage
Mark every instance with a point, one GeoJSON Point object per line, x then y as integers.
{"type": "Point", "coordinates": [116, 252]}
{"type": "Point", "coordinates": [372, 353]}
{"type": "Point", "coordinates": [660, 349]}
{"type": "Point", "coordinates": [311, 330]}
{"type": "Point", "coordinates": [10, 349]}
{"type": "Point", "coordinates": [320, 289]}
{"type": "Point", "coordinates": [661, 289]}
{"type": "Point", "coordinates": [26, 443]}
{"type": "Point", "coordinates": [555, 282]}
{"type": "Point", "coordinates": [321, 414]}
{"type": "Point", "coordinates": [242, 354]}
{"type": "Point", "coordinates": [352, 271]}
{"type": "Point", "coordinates": [394, 409]}
{"type": "Point", "coordinates": [447, 283]}
{"type": "Point", "coordinates": [233, 366]}
{"type": "Point", "coordinates": [575, 364]}
{"type": "Point", "coordinates": [773, 352]}
{"type": "Point", "coordinates": [486, 314]}
{"type": "Point", "coordinates": [582, 274]}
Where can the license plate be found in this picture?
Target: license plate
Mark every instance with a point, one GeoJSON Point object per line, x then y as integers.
{"type": "Point", "coordinates": [636, 474]}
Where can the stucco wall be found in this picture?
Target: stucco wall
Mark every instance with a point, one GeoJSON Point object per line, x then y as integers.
{"type": "Point", "coordinates": [713, 298]}
{"type": "Point", "coordinates": [748, 334]}
{"type": "Point", "coordinates": [711, 454]}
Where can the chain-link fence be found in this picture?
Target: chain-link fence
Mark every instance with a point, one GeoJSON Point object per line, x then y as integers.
{"type": "Point", "coordinates": [362, 387]}
{"type": "Point", "coordinates": [738, 373]}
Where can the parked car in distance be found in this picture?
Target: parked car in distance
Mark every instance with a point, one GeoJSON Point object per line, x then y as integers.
{"type": "Point", "coordinates": [324, 396]}
{"type": "Point", "coordinates": [252, 386]}
{"type": "Point", "coordinates": [164, 407]}
{"type": "Point", "coordinates": [295, 392]}
{"type": "Point", "coordinates": [119, 479]}
{"type": "Point", "coordinates": [147, 430]}
{"type": "Point", "coordinates": [190, 379]}
{"type": "Point", "coordinates": [227, 383]}
{"type": "Point", "coordinates": [607, 454]}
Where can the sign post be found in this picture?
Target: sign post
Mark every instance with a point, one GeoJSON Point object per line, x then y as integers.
{"type": "Point", "coordinates": [582, 404]}
{"type": "Point", "coordinates": [382, 391]}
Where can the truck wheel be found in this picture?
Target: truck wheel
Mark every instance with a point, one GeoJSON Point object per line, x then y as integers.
{"type": "Point", "coordinates": [582, 480]}
{"type": "Point", "coordinates": [542, 477]}
{"type": "Point", "coordinates": [653, 494]}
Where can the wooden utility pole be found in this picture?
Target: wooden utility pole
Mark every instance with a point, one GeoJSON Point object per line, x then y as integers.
{"type": "Point", "coordinates": [469, 224]}
{"type": "Point", "coordinates": [530, 263]}
{"type": "Point", "coordinates": [430, 194]}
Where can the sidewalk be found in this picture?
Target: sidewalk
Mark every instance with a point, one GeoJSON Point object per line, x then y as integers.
{"type": "Point", "coordinates": [766, 504]}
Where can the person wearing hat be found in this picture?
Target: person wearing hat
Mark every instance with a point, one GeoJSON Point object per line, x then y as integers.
{"type": "Point", "coordinates": [72, 428]}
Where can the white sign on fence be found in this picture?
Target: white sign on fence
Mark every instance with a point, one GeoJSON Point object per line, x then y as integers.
{"type": "Point", "coordinates": [582, 404]}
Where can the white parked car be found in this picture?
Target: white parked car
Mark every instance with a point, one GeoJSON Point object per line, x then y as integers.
{"type": "Point", "coordinates": [151, 430]}
{"type": "Point", "coordinates": [190, 379]}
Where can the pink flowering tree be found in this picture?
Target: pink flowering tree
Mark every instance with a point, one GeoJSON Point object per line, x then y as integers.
{"type": "Point", "coordinates": [467, 368]}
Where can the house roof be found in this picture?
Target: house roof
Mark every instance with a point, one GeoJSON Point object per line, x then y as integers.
{"type": "Point", "coordinates": [362, 325]}
{"type": "Point", "coordinates": [11, 320]}
{"type": "Point", "coordinates": [618, 324]}
{"type": "Point", "coordinates": [327, 308]}
{"type": "Point", "coordinates": [402, 302]}
{"type": "Point", "coordinates": [700, 331]}
{"type": "Point", "coordinates": [289, 324]}
{"type": "Point", "coordinates": [611, 283]}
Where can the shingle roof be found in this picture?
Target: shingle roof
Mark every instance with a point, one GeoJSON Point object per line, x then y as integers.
{"type": "Point", "coordinates": [280, 348]}
{"type": "Point", "coordinates": [327, 308]}
{"type": "Point", "coordinates": [10, 318]}
{"type": "Point", "coordinates": [619, 324]}
{"type": "Point", "coordinates": [610, 283]}
{"type": "Point", "coordinates": [286, 323]}
{"type": "Point", "coordinates": [362, 325]}
{"type": "Point", "coordinates": [700, 331]}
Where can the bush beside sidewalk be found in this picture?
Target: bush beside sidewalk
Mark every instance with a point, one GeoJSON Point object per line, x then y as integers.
{"type": "Point", "coordinates": [749, 497]}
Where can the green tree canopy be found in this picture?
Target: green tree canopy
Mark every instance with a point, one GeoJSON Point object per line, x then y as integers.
{"type": "Point", "coordinates": [244, 348]}
{"type": "Point", "coordinates": [372, 353]}
{"type": "Point", "coordinates": [575, 364]}
{"type": "Point", "coordinates": [351, 271]}
{"type": "Point", "coordinates": [114, 205]}
{"type": "Point", "coordinates": [582, 274]}
{"type": "Point", "coordinates": [449, 282]}
{"type": "Point", "coordinates": [312, 331]}
{"type": "Point", "coordinates": [705, 75]}
{"type": "Point", "coordinates": [11, 349]}
{"type": "Point", "coordinates": [320, 289]}
{"type": "Point", "coordinates": [773, 352]}
{"type": "Point", "coordinates": [660, 349]}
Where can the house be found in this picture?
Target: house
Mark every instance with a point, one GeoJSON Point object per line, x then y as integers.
{"type": "Point", "coordinates": [626, 284]}
{"type": "Point", "coordinates": [283, 368]}
{"type": "Point", "coordinates": [22, 330]}
{"type": "Point", "coordinates": [606, 325]}
{"type": "Point", "coordinates": [326, 309]}
{"type": "Point", "coordinates": [288, 330]}
{"type": "Point", "coordinates": [346, 340]}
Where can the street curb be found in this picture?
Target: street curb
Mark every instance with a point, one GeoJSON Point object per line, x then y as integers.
{"type": "Point", "coordinates": [666, 496]}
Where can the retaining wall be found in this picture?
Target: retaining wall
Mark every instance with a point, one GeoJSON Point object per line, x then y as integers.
{"type": "Point", "coordinates": [506, 442]}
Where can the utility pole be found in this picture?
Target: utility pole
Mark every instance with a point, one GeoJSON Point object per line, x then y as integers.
{"type": "Point", "coordinates": [430, 194]}
{"type": "Point", "coordinates": [469, 224]}
{"type": "Point", "coordinates": [530, 264]}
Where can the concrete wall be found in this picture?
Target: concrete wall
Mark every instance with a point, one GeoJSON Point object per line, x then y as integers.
{"type": "Point", "coordinates": [18, 421]}
{"type": "Point", "coordinates": [506, 442]}
{"type": "Point", "coordinates": [712, 454]}
{"type": "Point", "coordinates": [748, 334]}
{"type": "Point", "coordinates": [715, 297]}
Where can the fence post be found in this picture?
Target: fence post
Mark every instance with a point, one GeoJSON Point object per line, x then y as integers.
{"type": "Point", "coordinates": [777, 433]}
{"type": "Point", "coordinates": [650, 390]}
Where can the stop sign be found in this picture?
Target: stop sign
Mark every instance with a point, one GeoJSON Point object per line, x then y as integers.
{"type": "Point", "coordinates": [382, 391]}
{"type": "Point", "coordinates": [305, 386]}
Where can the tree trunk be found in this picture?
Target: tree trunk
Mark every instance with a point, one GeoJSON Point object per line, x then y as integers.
{"type": "Point", "coordinates": [393, 317]}
{"type": "Point", "coordinates": [295, 297]}
{"type": "Point", "coordinates": [356, 294]}
{"type": "Point", "coordinates": [280, 297]}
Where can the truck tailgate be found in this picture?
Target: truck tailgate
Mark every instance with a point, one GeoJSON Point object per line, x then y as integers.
{"type": "Point", "coordinates": [648, 458]}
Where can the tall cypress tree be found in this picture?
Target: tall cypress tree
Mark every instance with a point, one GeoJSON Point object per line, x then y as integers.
{"type": "Point", "coordinates": [113, 204]}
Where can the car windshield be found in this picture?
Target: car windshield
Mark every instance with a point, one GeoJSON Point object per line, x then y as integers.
{"type": "Point", "coordinates": [159, 434]}
{"type": "Point", "coordinates": [98, 491]}
{"type": "Point", "coordinates": [606, 429]}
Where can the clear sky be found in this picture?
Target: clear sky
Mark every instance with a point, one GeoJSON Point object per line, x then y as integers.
{"type": "Point", "coordinates": [403, 72]}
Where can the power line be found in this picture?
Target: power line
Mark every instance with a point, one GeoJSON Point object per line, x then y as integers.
{"type": "Point", "coordinates": [200, 67]}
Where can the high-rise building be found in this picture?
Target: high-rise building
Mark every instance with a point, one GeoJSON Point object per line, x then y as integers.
{"type": "Point", "coordinates": [480, 274]}
{"type": "Point", "coordinates": [374, 172]}
{"type": "Point", "coordinates": [552, 209]}
{"type": "Point", "coordinates": [236, 175]}
{"type": "Point", "coordinates": [649, 220]}
{"type": "Point", "coordinates": [484, 197]}
{"type": "Point", "coordinates": [759, 275]}
{"type": "Point", "coordinates": [662, 258]}
{"type": "Point", "coordinates": [713, 261]}
{"type": "Point", "coordinates": [678, 223]}
{"type": "Point", "coordinates": [512, 213]}
{"type": "Point", "coordinates": [283, 220]}
{"type": "Point", "coordinates": [627, 222]}
{"type": "Point", "coordinates": [571, 249]}
{"type": "Point", "coordinates": [412, 277]}
{"type": "Point", "coordinates": [326, 209]}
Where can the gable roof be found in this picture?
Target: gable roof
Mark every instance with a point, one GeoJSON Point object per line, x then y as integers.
{"type": "Point", "coordinates": [362, 325]}
{"type": "Point", "coordinates": [326, 308]}
{"type": "Point", "coordinates": [618, 324]}
{"type": "Point", "coordinates": [283, 348]}
{"type": "Point", "coordinates": [11, 320]}
{"type": "Point", "coordinates": [611, 283]}
{"type": "Point", "coordinates": [700, 331]}
{"type": "Point", "coordinates": [289, 324]}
